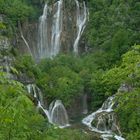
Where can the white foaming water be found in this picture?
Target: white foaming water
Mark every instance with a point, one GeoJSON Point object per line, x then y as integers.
{"type": "Point", "coordinates": [56, 29]}
{"type": "Point", "coordinates": [45, 47]}
{"type": "Point", "coordinates": [80, 23]}
{"type": "Point", "coordinates": [56, 113]}
{"type": "Point", "coordinates": [101, 126]}
{"type": "Point", "coordinates": [59, 114]}
{"type": "Point", "coordinates": [43, 34]}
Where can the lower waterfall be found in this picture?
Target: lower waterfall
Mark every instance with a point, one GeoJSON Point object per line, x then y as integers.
{"type": "Point", "coordinates": [56, 113]}
{"type": "Point", "coordinates": [103, 121]}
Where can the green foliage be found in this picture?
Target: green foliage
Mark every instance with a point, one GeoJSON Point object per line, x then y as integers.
{"type": "Point", "coordinates": [19, 119]}
{"type": "Point", "coordinates": [112, 28]}
{"type": "Point", "coordinates": [15, 11]}
{"type": "Point", "coordinates": [66, 134]}
{"type": "Point", "coordinates": [25, 64]}
{"type": "Point", "coordinates": [65, 77]}
{"type": "Point", "coordinates": [125, 73]}
{"type": "Point", "coordinates": [59, 79]}
{"type": "Point", "coordinates": [128, 111]}
{"type": "Point", "coordinates": [2, 26]}
{"type": "Point", "coordinates": [128, 73]}
{"type": "Point", "coordinates": [96, 87]}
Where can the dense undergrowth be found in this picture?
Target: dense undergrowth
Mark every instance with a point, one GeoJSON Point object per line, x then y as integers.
{"type": "Point", "coordinates": [66, 77]}
{"type": "Point", "coordinates": [20, 119]}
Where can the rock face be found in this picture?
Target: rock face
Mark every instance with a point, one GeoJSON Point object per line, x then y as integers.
{"type": "Point", "coordinates": [4, 44]}
{"type": "Point", "coordinates": [1, 18]}
{"type": "Point", "coordinates": [125, 88]}
{"type": "Point", "coordinates": [69, 26]}
{"type": "Point", "coordinates": [106, 121]}
{"type": "Point", "coordinates": [74, 20]}
{"type": "Point", "coordinates": [78, 107]}
{"type": "Point", "coordinates": [30, 32]}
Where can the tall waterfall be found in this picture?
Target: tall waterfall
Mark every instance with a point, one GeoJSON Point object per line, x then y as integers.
{"type": "Point", "coordinates": [56, 29]}
{"type": "Point", "coordinates": [80, 23]}
{"type": "Point", "coordinates": [103, 121]}
{"type": "Point", "coordinates": [56, 113]}
{"type": "Point", "coordinates": [43, 48]}
{"type": "Point", "coordinates": [53, 32]}
{"type": "Point", "coordinates": [46, 47]}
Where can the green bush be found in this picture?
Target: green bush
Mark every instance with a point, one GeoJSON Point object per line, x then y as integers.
{"type": "Point", "coordinates": [25, 64]}
{"type": "Point", "coordinates": [19, 119]}
{"type": "Point", "coordinates": [60, 82]}
{"type": "Point", "coordinates": [128, 111]}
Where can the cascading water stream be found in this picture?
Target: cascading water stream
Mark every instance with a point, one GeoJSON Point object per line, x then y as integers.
{"type": "Point", "coordinates": [43, 34]}
{"type": "Point", "coordinates": [56, 29]}
{"type": "Point", "coordinates": [105, 121]}
{"type": "Point", "coordinates": [80, 23]}
{"type": "Point", "coordinates": [49, 42]}
{"type": "Point", "coordinates": [56, 113]}
{"type": "Point", "coordinates": [59, 114]}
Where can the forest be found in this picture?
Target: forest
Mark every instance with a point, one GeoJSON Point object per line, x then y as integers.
{"type": "Point", "coordinates": [106, 64]}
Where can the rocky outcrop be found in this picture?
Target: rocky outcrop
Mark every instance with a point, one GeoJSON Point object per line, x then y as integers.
{"type": "Point", "coordinates": [125, 88]}
{"type": "Point", "coordinates": [4, 44]}
{"type": "Point", "coordinates": [69, 26]}
{"type": "Point", "coordinates": [106, 121]}
{"type": "Point", "coordinates": [78, 107]}
{"type": "Point", "coordinates": [29, 31]}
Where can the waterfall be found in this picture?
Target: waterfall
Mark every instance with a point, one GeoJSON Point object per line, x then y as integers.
{"type": "Point", "coordinates": [43, 34]}
{"type": "Point", "coordinates": [103, 121]}
{"type": "Point", "coordinates": [56, 113]}
{"type": "Point", "coordinates": [56, 29]}
{"type": "Point", "coordinates": [80, 23]}
{"type": "Point", "coordinates": [46, 47]}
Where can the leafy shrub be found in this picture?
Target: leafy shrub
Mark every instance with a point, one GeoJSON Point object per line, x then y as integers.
{"type": "Point", "coordinates": [19, 119]}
